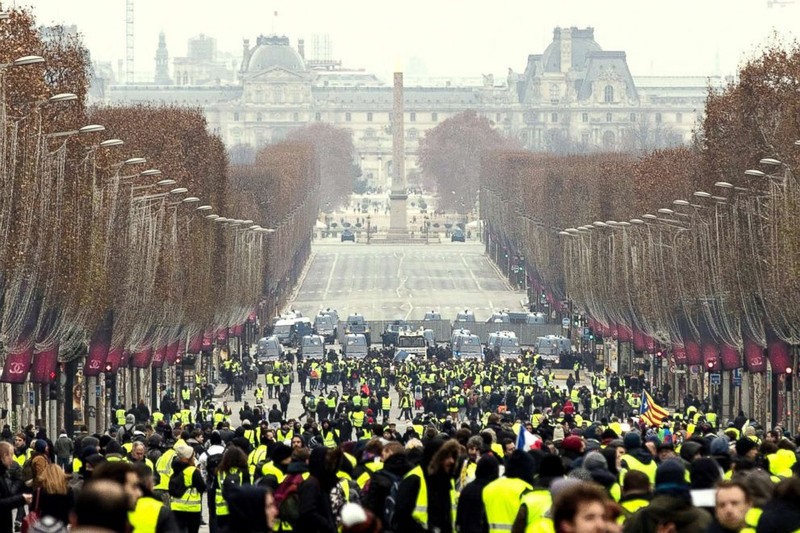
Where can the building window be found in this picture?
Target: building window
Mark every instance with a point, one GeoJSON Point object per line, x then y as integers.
{"type": "Point", "coordinates": [585, 138]}
{"type": "Point", "coordinates": [369, 117]}
{"type": "Point", "coordinates": [317, 116]}
{"type": "Point", "coordinates": [679, 117]}
{"type": "Point", "coordinates": [435, 117]}
{"type": "Point", "coordinates": [347, 116]}
{"type": "Point", "coordinates": [658, 118]}
{"type": "Point", "coordinates": [412, 117]}
{"type": "Point", "coordinates": [258, 117]}
{"type": "Point", "coordinates": [236, 117]}
{"type": "Point", "coordinates": [609, 141]}
{"type": "Point", "coordinates": [633, 117]}
{"type": "Point", "coordinates": [296, 117]}
{"type": "Point", "coordinates": [412, 133]}
{"type": "Point", "coordinates": [608, 117]}
{"type": "Point", "coordinates": [369, 133]}
{"type": "Point", "coordinates": [555, 92]}
{"type": "Point", "coordinates": [608, 94]}
{"type": "Point", "coordinates": [553, 117]}
{"type": "Point", "coordinates": [585, 117]}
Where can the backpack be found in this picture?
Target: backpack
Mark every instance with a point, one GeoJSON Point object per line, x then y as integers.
{"type": "Point", "coordinates": [212, 463]}
{"type": "Point", "coordinates": [177, 488]}
{"type": "Point", "coordinates": [287, 500]}
{"type": "Point", "coordinates": [391, 500]}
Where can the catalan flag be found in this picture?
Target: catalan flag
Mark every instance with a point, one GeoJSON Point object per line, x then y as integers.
{"type": "Point", "coordinates": [651, 412]}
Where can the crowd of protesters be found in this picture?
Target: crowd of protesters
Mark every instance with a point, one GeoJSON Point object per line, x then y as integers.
{"type": "Point", "coordinates": [414, 446]}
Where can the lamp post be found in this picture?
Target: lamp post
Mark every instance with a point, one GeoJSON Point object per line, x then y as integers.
{"type": "Point", "coordinates": [369, 227]}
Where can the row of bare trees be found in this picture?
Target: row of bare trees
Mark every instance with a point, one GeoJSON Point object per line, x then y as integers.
{"type": "Point", "coordinates": [678, 244]}
{"type": "Point", "coordinates": [123, 219]}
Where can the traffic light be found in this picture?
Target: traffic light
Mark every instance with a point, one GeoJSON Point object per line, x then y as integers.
{"type": "Point", "coordinates": [591, 334]}
{"type": "Point", "coordinates": [107, 368]}
{"type": "Point", "coordinates": [52, 390]}
{"type": "Point", "coordinates": [178, 360]}
{"type": "Point", "coordinates": [710, 364]}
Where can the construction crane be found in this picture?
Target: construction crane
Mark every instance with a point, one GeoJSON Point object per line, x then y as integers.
{"type": "Point", "coordinates": [129, 41]}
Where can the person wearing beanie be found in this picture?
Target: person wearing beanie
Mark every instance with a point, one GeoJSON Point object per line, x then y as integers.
{"type": "Point", "coordinates": [273, 472]}
{"type": "Point", "coordinates": [356, 519]}
{"type": "Point", "coordinates": [595, 463]}
{"type": "Point", "coordinates": [671, 506]}
{"type": "Point", "coordinates": [471, 516]}
{"type": "Point", "coordinates": [635, 492]}
{"type": "Point", "coordinates": [571, 452]}
{"type": "Point", "coordinates": [502, 497]}
{"type": "Point", "coordinates": [637, 457]}
{"type": "Point", "coordinates": [720, 450]}
{"type": "Point", "coordinates": [705, 473]}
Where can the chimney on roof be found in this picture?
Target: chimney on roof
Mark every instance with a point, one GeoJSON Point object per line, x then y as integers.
{"type": "Point", "coordinates": [566, 49]}
{"type": "Point", "coordinates": [301, 48]}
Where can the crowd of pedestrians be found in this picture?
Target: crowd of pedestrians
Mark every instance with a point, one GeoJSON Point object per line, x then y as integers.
{"type": "Point", "coordinates": [418, 446]}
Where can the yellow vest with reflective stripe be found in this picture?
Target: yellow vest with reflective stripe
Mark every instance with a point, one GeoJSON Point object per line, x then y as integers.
{"type": "Point", "coordinates": [358, 419]}
{"type": "Point", "coordinates": [145, 517]}
{"type": "Point", "coordinates": [219, 502]}
{"type": "Point", "coordinates": [501, 499]}
{"type": "Point", "coordinates": [386, 403]}
{"type": "Point", "coordinates": [420, 513]}
{"type": "Point", "coordinates": [120, 414]}
{"type": "Point", "coordinates": [164, 467]}
{"type": "Point", "coordinates": [158, 416]}
{"type": "Point", "coordinates": [191, 501]}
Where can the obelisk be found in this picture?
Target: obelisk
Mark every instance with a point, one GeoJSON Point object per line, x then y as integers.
{"type": "Point", "coordinates": [398, 222]}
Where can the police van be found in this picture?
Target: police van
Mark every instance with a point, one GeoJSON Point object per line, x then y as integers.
{"type": "Point", "coordinates": [504, 344]}
{"type": "Point", "coordinates": [468, 347]}
{"type": "Point", "coordinates": [550, 347]}
{"type": "Point", "coordinates": [326, 323]}
{"type": "Point", "coordinates": [268, 350]}
{"type": "Point", "coordinates": [312, 348]}
{"type": "Point", "coordinates": [412, 342]}
{"type": "Point", "coordinates": [355, 346]}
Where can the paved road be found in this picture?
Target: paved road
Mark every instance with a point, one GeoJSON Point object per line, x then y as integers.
{"type": "Point", "coordinates": [387, 282]}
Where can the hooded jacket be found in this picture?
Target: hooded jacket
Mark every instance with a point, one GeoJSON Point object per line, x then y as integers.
{"type": "Point", "coordinates": [316, 515]}
{"type": "Point", "coordinates": [246, 510]}
{"type": "Point", "coordinates": [394, 469]}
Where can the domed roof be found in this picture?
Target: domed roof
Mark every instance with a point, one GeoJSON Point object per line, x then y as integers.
{"type": "Point", "coordinates": [274, 51]}
{"type": "Point", "coordinates": [582, 43]}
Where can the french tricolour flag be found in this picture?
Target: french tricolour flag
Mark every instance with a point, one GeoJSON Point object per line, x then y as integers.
{"type": "Point", "coordinates": [527, 440]}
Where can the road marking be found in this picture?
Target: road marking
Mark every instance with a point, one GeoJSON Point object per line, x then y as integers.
{"type": "Point", "coordinates": [330, 276]}
{"type": "Point", "coordinates": [471, 273]}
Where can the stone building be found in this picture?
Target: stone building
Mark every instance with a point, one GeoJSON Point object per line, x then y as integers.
{"type": "Point", "coordinates": [574, 97]}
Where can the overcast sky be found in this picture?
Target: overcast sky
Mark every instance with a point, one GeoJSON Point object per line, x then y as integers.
{"type": "Point", "coordinates": [449, 37]}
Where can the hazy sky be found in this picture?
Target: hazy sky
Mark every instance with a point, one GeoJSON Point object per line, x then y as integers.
{"type": "Point", "coordinates": [450, 37]}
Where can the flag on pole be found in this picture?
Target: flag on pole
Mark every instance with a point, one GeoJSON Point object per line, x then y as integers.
{"type": "Point", "coordinates": [651, 412]}
{"type": "Point", "coordinates": [528, 441]}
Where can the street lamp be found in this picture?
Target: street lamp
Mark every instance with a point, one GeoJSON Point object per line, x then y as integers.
{"type": "Point", "coordinates": [369, 227]}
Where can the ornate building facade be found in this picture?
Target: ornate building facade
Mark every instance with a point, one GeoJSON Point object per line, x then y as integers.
{"type": "Point", "coordinates": [574, 97]}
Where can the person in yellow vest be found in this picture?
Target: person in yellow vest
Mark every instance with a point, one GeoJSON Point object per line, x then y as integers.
{"type": "Point", "coordinates": [637, 457]}
{"type": "Point", "coordinates": [186, 396]}
{"type": "Point", "coordinates": [187, 507]}
{"type": "Point", "coordinates": [259, 394]}
{"type": "Point", "coordinates": [185, 416]}
{"type": "Point", "coordinates": [535, 505]}
{"type": "Point", "coordinates": [231, 472]}
{"type": "Point", "coordinates": [329, 435]}
{"type": "Point", "coordinates": [502, 497]}
{"type": "Point", "coordinates": [274, 471]}
{"type": "Point", "coordinates": [357, 418]}
{"type": "Point", "coordinates": [150, 513]}
{"type": "Point", "coordinates": [386, 406]}
{"type": "Point", "coordinates": [636, 493]}
{"type": "Point", "coordinates": [120, 415]}
{"type": "Point", "coordinates": [431, 480]}
{"type": "Point", "coordinates": [164, 471]}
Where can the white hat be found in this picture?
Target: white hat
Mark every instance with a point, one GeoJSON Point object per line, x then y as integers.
{"type": "Point", "coordinates": [353, 514]}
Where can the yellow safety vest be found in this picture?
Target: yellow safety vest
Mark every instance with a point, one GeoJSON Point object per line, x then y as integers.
{"type": "Point", "coordinates": [158, 416]}
{"type": "Point", "coordinates": [358, 419]}
{"type": "Point", "coordinates": [635, 464]}
{"type": "Point", "coordinates": [120, 414]}
{"type": "Point", "coordinates": [370, 468]}
{"type": "Point", "coordinates": [164, 467]}
{"type": "Point", "coordinates": [191, 501]}
{"type": "Point", "coordinates": [501, 499]}
{"type": "Point", "coordinates": [269, 468]}
{"type": "Point", "coordinates": [329, 439]}
{"type": "Point", "coordinates": [144, 517]}
{"type": "Point", "coordinates": [186, 395]}
{"type": "Point", "coordinates": [386, 403]}
{"type": "Point", "coordinates": [256, 457]}
{"type": "Point", "coordinates": [537, 503]}
{"type": "Point", "coordinates": [219, 502]}
{"type": "Point", "coordinates": [420, 513]}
